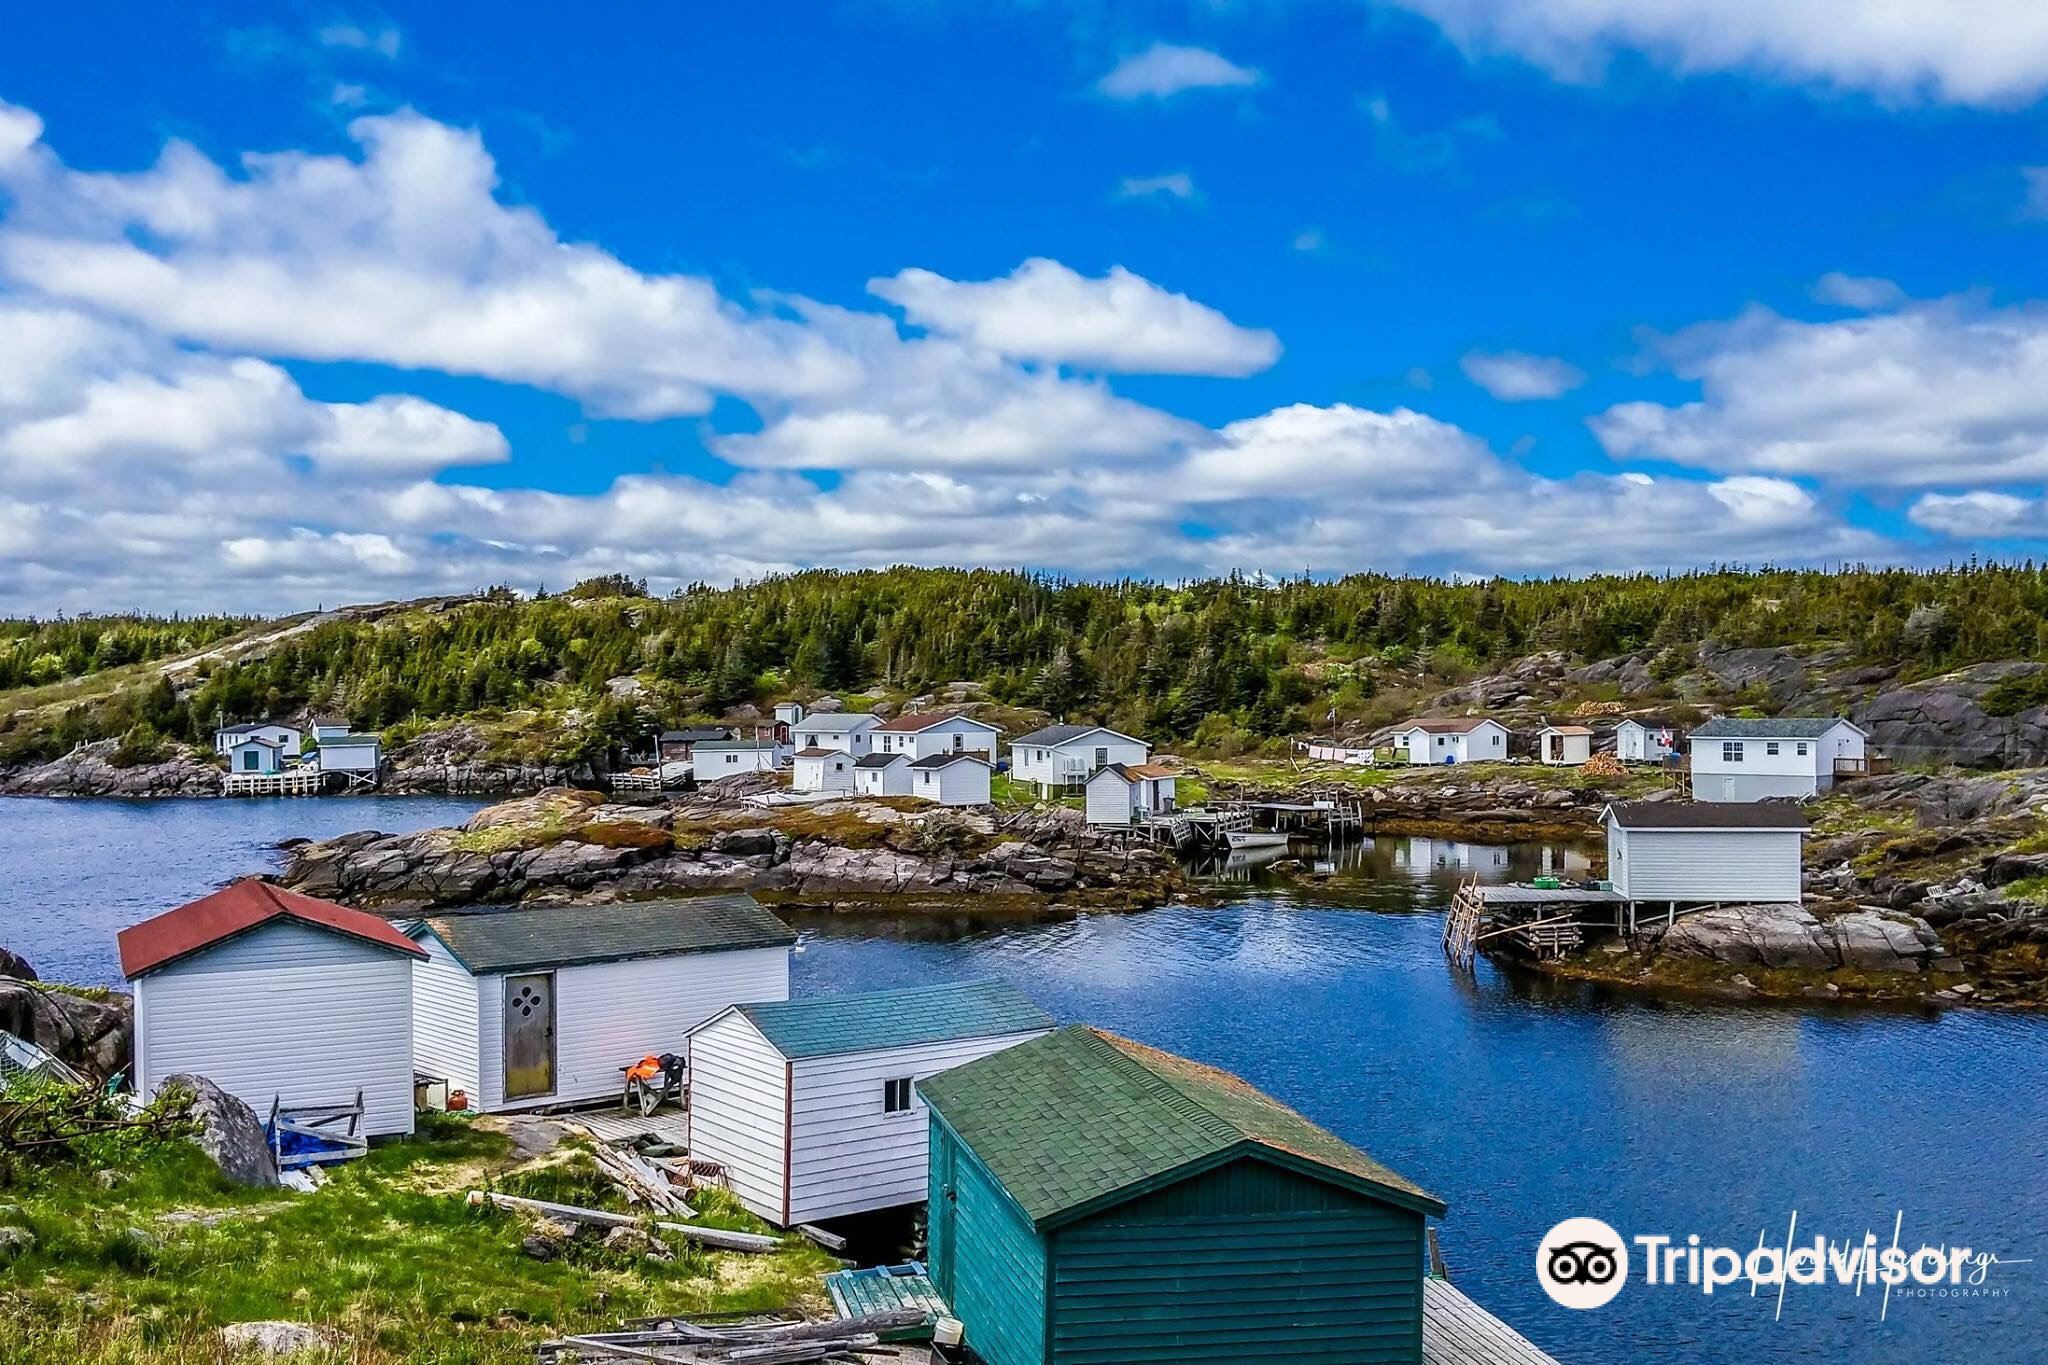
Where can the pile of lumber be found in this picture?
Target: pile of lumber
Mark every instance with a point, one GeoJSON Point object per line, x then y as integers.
{"type": "Point", "coordinates": [1603, 765]}
{"type": "Point", "coordinates": [643, 1180]}
{"type": "Point", "coordinates": [676, 1342]}
{"type": "Point", "coordinates": [722, 1238]}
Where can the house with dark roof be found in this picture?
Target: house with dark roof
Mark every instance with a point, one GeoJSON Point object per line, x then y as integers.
{"type": "Point", "coordinates": [1061, 756]}
{"type": "Point", "coordinates": [1096, 1199]}
{"type": "Point", "coordinates": [680, 746]}
{"type": "Point", "coordinates": [711, 759]}
{"type": "Point", "coordinates": [1127, 793]}
{"type": "Point", "coordinates": [1461, 739]}
{"type": "Point", "coordinates": [286, 739]}
{"type": "Point", "coordinates": [530, 1006]}
{"type": "Point", "coordinates": [1738, 758]}
{"type": "Point", "coordinates": [921, 734]}
{"type": "Point", "coordinates": [882, 773]}
{"type": "Point", "coordinates": [1701, 852]}
{"type": "Point", "coordinates": [848, 731]}
{"type": "Point", "coordinates": [810, 1104]}
{"type": "Point", "coordinates": [276, 997]}
{"type": "Point", "coordinates": [951, 779]}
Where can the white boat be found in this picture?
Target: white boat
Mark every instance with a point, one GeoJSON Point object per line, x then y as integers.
{"type": "Point", "coordinates": [1240, 839]}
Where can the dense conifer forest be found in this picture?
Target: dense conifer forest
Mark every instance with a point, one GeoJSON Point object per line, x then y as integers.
{"type": "Point", "coordinates": [1255, 657]}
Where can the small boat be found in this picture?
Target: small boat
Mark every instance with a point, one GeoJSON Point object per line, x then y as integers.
{"type": "Point", "coordinates": [1241, 839]}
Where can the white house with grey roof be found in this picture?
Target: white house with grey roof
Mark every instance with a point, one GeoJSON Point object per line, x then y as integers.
{"type": "Point", "coordinates": [713, 759]}
{"type": "Point", "coordinates": [528, 1007]}
{"type": "Point", "coordinates": [847, 731]}
{"type": "Point", "coordinates": [951, 779]}
{"type": "Point", "coordinates": [821, 770]}
{"type": "Point", "coordinates": [1061, 756]}
{"type": "Point", "coordinates": [1691, 852]}
{"type": "Point", "coordinates": [882, 773]}
{"type": "Point", "coordinates": [811, 1105]}
{"type": "Point", "coordinates": [1742, 759]}
{"type": "Point", "coordinates": [1461, 739]}
{"type": "Point", "coordinates": [285, 739]}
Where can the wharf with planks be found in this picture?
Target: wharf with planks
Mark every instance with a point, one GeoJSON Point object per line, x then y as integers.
{"type": "Point", "coordinates": [1543, 921]}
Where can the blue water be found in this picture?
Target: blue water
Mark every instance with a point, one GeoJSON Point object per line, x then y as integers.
{"type": "Point", "coordinates": [75, 872]}
{"type": "Point", "coordinates": [1518, 1103]}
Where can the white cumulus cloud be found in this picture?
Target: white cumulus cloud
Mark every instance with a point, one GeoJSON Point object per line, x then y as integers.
{"type": "Point", "coordinates": [1516, 377]}
{"type": "Point", "coordinates": [1968, 516]}
{"type": "Point", "coordinates": [1166, 69]}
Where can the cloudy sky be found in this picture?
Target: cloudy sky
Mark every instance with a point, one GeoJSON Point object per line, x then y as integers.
{"type": "Point", "coordinates": [318, 304]}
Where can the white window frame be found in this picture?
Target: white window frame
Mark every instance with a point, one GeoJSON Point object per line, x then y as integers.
{"type": "Point", "coordinates": [1731, 751]}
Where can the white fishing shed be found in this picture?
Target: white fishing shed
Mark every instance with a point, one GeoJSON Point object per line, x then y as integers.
{"type": "Point", "coordinates": [1686, 852]}
{"type": "Point", "coordinates": [275, 996]}
{"type": "Point", "coordinates": [528, 1007]}
{"type": "Point", "coordinates": [811, 1105]}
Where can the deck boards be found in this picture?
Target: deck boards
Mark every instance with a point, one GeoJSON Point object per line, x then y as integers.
{"type": "Point", "coordinates": [623, 1125]}
{"type": "Point", "coordinates": [1457, 1331]}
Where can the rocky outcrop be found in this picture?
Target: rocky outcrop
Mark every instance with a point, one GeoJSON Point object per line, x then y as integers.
{"type": "Point", "coordinates": [90, 1032]}
{"type": "Point", "coordinates": [461, 759]}
{"type": "Point", "coordinates": [272, 1339]}
{"type": "Point", "coordinates": [1943, 719]}
{"type": "Point", "coordinates": [1792, 936]}
{"type": "Point", "coordinates": [228, 1131]}
{"type": "Point", "coordinates": [562, 845]}
{"type": "Point", "coordinates": [89, 770]}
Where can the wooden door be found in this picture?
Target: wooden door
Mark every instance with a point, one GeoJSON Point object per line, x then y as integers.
{"type": "Point", "coordinates": [529, 1035]}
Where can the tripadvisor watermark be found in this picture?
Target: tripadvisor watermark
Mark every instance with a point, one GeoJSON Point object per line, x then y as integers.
{"type": "Point", "coordinates": [1583, 1263]}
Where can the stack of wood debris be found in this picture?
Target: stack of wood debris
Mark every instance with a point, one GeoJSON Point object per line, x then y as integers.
{"type": "Point", "coordinates": [1603, 766]}
{"type": "Point", "coordinates": [672, 1341]}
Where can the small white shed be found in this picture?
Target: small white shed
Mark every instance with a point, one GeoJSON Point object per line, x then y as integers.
{"type": "Point", "coordinates": [1564, 745]}
{"type": "Point", "coordinates": [1687, 852]}
{"type": "Point", "coordinates": [254, 755]}
{"type": "Point", "coordinates": [951, 779]}
{"type": "Point", "coordinates": [350, 753]}
{"type": "Point", "coordinates": [1124, 793]}
{"type": "Point", "coordinates": [821, 770]}
{"type": "Point", "coordinates": [545, 1005]}
{"type": "Point", "coordinates": [713, 759]}
{"type": "Point", "coordinates": [811, 1105]}
{"type": "Point", "coordinates": [1635, 742]}
{"type": "Point", "coordinates": [276, 996]}
{"type": "Point", "coordinates": [1467, 739]}
{"type": "Point", "coordinates": [882, 774]}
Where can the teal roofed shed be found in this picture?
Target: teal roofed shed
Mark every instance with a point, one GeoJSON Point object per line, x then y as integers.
{"type": "Point", "coordinates": [821, 1025]}
{"type": "Point", "coordinates": [1098, 1202]}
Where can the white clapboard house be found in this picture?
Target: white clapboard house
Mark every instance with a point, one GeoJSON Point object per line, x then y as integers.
{"type": "Point", "coordinates": [1692, 852]}
{"type": "Point", "coordinates": [921, 734]}
{"type": "Point", "coordinates": [1635, 742]}
{"type": "Point", "coordinates": [882, 774]}
{"type": "Point", "coordinates": [357, 755]}
{"type": "Point", "coordinates": [274, 996]}
{"type": "Point", "coordinates": [951, 779]}
{"type": "Point", "coordinates": [811, 1104]}
{"type": "Point", "coordinates": [848, 731]}
{"type": "Point", "coordinates": [713, 759]}
{"type": "Point", "coordinates": [1739, 759]}
{"type": "Point", "coordinates": [1464, 739]}
{"type": "Point", "coordinates": [286, 739]}
{"type": "Point", "coordinates": [545, 1005]}
{"type": "Point", "coordinates": [822, 770]}
{"type": "Point", "coordinates": [1130, 793]}
{"type": "Point", "coordinates": [255, 754]}
{"type": "Point", "coordinates": [1062, 756]}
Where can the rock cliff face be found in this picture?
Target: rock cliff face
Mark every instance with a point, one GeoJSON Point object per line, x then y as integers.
{"type": "Point", "coordinates": [92, 1033]}
{"type": "Point", "coordinates": [563, 845]}
{"type": "Point", "coordinates": [1791, 936]}
{"type": "Point", "coordinates": [88, 771]}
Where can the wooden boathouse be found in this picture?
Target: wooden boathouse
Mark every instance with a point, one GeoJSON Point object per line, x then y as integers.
{"type": "Point", "coordinates": [1095, 1200]}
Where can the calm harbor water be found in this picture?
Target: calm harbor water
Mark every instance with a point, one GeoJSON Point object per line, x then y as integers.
{"type": "Point", "coordinates": [1518, 1103]}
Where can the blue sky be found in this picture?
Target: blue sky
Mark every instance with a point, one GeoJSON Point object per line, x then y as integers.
{"type": "Point", "coordinates": [311, 303]}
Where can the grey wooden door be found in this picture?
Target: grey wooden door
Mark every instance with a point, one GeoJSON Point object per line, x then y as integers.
{"type": "Point", "coordinates": [529, 1035]}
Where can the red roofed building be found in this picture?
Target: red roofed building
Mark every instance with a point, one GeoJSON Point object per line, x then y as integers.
{"type": "Point", "coordinates": [275, 996]}
{"type": "Point", "coordinates": [921, 734]}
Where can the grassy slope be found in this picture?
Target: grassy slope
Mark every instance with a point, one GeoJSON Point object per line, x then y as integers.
{"type": "Point", "coordinates": [388, 1255]}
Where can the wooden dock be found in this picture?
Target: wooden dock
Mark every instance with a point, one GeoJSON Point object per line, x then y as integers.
{"type": "Point", "coordinates": [1546, 921]}
{"type": "Point", "coordinates": [289, 782]}
{"type": "Point", "coordinates": [1457, 1331]}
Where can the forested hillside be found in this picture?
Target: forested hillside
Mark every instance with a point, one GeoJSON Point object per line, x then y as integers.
{"type": "Point", "coordinates": [1232, 656]}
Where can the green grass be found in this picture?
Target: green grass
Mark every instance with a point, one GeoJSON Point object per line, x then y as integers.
{"type": "Point", "coordinates": [389, 1256]}
{"type": "Point", "coordinates": [1007, 793]}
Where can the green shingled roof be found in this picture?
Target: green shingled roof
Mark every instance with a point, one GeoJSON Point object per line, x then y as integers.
{"type": "Point", "coordinates": [1767, 727]}
{"type": "Point", "coordinates": [492, 941]}
{"type": "Point", "coordinates": [1082, 1119]}
{"type": "Point", "coordinates": [824, 1025]}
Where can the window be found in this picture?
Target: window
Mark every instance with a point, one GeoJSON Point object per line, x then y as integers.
{"type": "Point", "coordinates": [1496, 741]}
{"type": "Point", "coordinates": [1102, 758]}
{"type": "Point", "coordinates": [959, 743]}
{"type": "Point", "coordinates": [1731, 751]}
{"type": "Point", "coordinates": [1801, 749]}
{"type": "Point", "coordinates": [1771, 749]}
{"type": "Point", "coordinates": [896, 1096]}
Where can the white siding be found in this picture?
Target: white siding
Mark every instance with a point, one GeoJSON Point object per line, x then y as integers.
{"type": "Point", "coordinates": [1571, 750]}
{"type": "Point", "coordinates": [611, 1014]}
{"type": "Point", "coordinates": [712, 763]}
{"type": "Point", "coordinates": [1635, 742]}
{"type": "Point", "coordinates": [854, 741]}
{"type": "Point", "coordinates": [956, 784]}
{"type": "Point", "coordinates": [1111, 799]}
{"type": "Point", "coordinates": [1726, 865]}
{"type": "Point", "coordinates": [1761, 767]}
{"type": "Point", "coordinates": [849, 1155]}
{"type": "Point", "coordinates": [285, 1010]}
{"type": "Point", "coordinates": [893, 780]}
{"type": "Point", "coordinates": [739, 1088]}
{"type": "Point", "coordinates": [975, 737]}
{"type": "Point", "coordinates": [444, 1020]}
{"type": "Point", "coordinates": [833, 774]}
{"type": "Point", "coordinates": [348, 758]}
